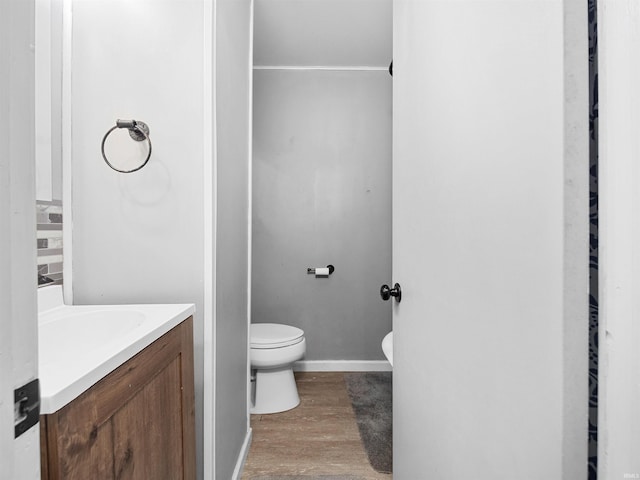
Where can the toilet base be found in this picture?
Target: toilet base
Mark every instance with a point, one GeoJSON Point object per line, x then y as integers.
{"type": "Point", "coordinates": [275, 391]}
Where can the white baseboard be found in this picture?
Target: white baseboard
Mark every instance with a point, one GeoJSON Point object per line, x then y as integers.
{"type": "Point", "coordinates": [342, 366]}
{"type": "Point", "coordinates": [242, 457]}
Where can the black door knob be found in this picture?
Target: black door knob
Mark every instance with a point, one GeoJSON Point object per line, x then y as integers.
{"type": "Point", "coordinates": [386, 292]}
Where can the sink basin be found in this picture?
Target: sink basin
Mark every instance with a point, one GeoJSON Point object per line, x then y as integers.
{"type": "Point", "coordinates": [80, 344]}
{"type": "Point", "coordinates": [387, 347]}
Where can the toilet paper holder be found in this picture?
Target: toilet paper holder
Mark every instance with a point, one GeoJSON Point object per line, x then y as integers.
{"type": "Point", "coordinates": [312, 271]}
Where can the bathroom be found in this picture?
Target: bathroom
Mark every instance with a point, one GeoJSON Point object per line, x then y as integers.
{"type": "Point", "coordinates": [180, 230]}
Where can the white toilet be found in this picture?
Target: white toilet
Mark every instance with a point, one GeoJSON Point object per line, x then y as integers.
{"type": "Point", "coordinates": [274, 348]}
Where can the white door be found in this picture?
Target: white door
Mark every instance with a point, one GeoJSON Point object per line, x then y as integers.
{"type": "Point", "coordinates": [489, 240]}
{"type": "Point", "coordinates": [19, 458]}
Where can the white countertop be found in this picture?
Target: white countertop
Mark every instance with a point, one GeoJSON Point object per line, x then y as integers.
{"type": "Point", "coordinates": [79, 344]}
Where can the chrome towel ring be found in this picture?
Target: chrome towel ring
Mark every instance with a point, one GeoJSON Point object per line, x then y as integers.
{"type": "Point", "coordinates": [138, 131]}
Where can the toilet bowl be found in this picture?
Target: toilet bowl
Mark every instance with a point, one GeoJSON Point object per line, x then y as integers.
{"type": "Point", "coordinates": [274, 348]}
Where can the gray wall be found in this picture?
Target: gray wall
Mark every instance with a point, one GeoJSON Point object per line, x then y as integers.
{"type": "Point", "coordinates": [233, 73]}
{"type": "Point", "coordinates": [322, 195]}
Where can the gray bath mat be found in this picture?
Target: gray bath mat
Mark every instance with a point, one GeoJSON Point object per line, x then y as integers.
{"type": "Point", "coordinates": [307, 477]}
{"type": "Point", "coordinates": [371, 396]}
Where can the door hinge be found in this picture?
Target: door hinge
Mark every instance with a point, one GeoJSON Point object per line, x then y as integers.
{"type": "Point", "coordinates": [26, 407]}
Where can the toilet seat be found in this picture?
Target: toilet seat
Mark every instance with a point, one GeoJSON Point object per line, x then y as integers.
{"type": "Point", "coordinates": [274, 335]}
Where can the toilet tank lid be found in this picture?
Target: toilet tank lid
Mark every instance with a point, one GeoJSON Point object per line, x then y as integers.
{"type": "Point", "coordinates": [273, 334]}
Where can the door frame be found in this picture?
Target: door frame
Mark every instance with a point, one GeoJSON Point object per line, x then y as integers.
{"type": "Point", "coordinates": [619, 232]}
{"type": "Point", "coordinates": [20, 458]}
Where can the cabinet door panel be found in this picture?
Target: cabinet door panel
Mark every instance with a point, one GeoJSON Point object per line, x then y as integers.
{"type": "Point", "coordinates": [148, 430]}
{"type": "Point", "coordinates": [85, 448]}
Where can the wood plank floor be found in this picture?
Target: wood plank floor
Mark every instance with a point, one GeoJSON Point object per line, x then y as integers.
{"type": "Point", "coordinates": [319, 437]}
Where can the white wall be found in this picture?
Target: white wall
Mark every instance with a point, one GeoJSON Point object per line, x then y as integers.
{"type": "Point", "coordinates": [48, 98]}
{"type": "Point", "coordinates": [138, 238]}
{"type": "Point", "coordinates": [177, 230]}
{"type": "Point", "coordinates": [20, 458]}
{"type": "Point", "coordinates": [619, 200]}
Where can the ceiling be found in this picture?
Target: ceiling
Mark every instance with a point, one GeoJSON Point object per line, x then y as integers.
{"type": "Point", "coordinates": [330, 33]}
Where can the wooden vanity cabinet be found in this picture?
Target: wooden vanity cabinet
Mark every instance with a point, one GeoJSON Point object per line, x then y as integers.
{"type": "Point", "coordinates": [136, 423]}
